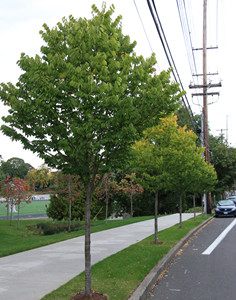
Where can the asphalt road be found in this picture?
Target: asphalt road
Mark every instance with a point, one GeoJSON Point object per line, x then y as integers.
{"type": "Point", "coordinates": [204, 269]}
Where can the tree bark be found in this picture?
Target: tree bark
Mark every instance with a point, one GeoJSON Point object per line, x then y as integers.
{"type": "Point", "coordinates": [106, 201]}
{"type": "Point", "coordinates": [194, 207]}
{"type": "Point", "coordinates": [88, 280]}
{"type": "Point", "coordinates": [7, 210]}
{"type": "Point", "coordinates": [180, 209]}
{"type": "Point", "coordinates": [18, 219]}
{"type": "Point", "coordinates": [156, 217]}
{"type": "Point", "coordinates": [11, 212]}
{"type": "Point", "coordinates": [69, 188]}
{"type": "Point", "coordinates": [131, 204]}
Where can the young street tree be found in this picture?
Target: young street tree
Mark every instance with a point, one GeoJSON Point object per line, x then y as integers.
{"type": "Point", "coordinates": [129, 186]}
{"type": "Point", "coordinates": [182, 161]}
{"type": "Point", "coordinates": [149, 153]}
{"type": "Point", "coordinates": [82, 104]}
{"type": "Point", "coordinates": [16, 191]}
{"type": "Point", "coordinates": [168, 158]}
{"type": "Point", "coordinates": [106, 188]}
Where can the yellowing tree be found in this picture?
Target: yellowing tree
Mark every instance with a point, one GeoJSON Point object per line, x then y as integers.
{"type": "Point", "coordinates": [169, 159]}
{"type": "Point", "coordinates": [42, 177]}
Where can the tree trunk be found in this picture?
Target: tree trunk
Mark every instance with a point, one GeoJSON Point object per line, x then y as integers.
{"type": "Point", "coordinates": [70, 200]}
{"type": "Point", "coordinates": [7, 209]}
{"type": "Point", "coordinates": [88, 280]}
{"type": "Point", "coordinates": [131, 204]}
{"type": "Point", "coordinates": [156, 217]}
{"type": "Point", "coordinates": [180, 209]}
{"type": "Point", "coordinates": [11, 212]}
{"type": "Point", "coordinates": [202, 205]}
{"type": "Point", "coordinates": [18, 217]}
{"type": "Point", "coordinates": [106, 203]}
{"type": "Point", "coordinates": [194, 207]}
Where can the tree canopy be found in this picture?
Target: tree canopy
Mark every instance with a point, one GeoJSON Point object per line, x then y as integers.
{"type": "Point", "coordinates": [85, 100]}
{"type": "Point", "coordinates": [169, 159]}
{"type": "Point", "coordinates": [224, 160]}
{"type": "Point", "coordinates": [87, 97]}
{"type": "Point", "coordinates": [15, 167]}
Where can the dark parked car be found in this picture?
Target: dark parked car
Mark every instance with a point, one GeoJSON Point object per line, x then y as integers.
{"type": "Point", "coordinates": [225, 208]}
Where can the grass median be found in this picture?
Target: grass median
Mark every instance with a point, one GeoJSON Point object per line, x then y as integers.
{"type": "Point", "coordinates": [118, 275]}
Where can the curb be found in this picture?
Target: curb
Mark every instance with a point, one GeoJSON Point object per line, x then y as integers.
{"type": "Point", "coordinates": [145, 286]}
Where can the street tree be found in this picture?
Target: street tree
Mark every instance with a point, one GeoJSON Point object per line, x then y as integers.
{"type": "Point", "coordinates": [182, 158]}
{"type": "Point", "coordinates": [149, 160]}
{"type": "Point", "coordinates": [70, 189]}
{"type": "Point", "coordinates": [85, 100]}
{"type": "Point", "coordinates": [16, 191]}
{"type": "Point", "coordinates": [129, 186]}
{"type": "Point", "coordinates": [203, 176]}
{"type": "Point", "coordinates": [106, 189]}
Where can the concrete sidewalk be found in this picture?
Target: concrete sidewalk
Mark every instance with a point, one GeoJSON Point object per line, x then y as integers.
{"type": "Point", "coordinates": [32, 274]}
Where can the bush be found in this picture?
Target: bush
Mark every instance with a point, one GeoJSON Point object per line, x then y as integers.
{"type": "Point", "coordinates": [53, 228]}
{"type": "Point", "coordinates": [190, 210]}
{"type": "Point", "coordinates": [58, 208]}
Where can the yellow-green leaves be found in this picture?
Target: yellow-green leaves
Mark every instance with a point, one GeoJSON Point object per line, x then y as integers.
{"type": "Point", "coordinates": [168, 154]}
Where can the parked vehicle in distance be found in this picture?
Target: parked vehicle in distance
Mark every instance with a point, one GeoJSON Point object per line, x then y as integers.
{"type": "Point", "coordinates": [225, 208]}
{"type": "Point", "coordinates": [232, 197]}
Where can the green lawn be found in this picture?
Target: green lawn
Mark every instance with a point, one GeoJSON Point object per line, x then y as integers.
{"type": "Point", "coordinates": [35, 207]}
{"type": "Point", "coordinates": [118, 275]}
{"type": "Point", "coordinates": [14, 241]}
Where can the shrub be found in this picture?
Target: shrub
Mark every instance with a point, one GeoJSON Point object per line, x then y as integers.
{"type": "Point", "coordinates": [58, 208]}
{"type": "Point", "coordinates": [53, 228]}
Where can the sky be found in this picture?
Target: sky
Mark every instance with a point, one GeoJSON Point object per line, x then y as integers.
{"type": "Point", "coordinates": [21, 21]}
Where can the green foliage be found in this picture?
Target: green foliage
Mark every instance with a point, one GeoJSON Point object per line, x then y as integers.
{"type": "Point", "coordinates": [183, 119]}
{"type": "Point", "coordinates": [87, 97]}
{"type": "Point", "coordinates": [224, 161]}
{"type": "Point", "coordinates": [82, 103]}
{"type": "Point", "coordinates": [42, 177]}
{"type": "Point", "coordinates": [15, 167]}
{"type": "Point", "coordinates": [53, 228]}
{"type": "Point", "coordinates": [58, 208]}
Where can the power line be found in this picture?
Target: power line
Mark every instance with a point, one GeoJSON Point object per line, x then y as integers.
{"type": "Point", "coordinates": [145, 30]}
{"type": "Point", "coordinates": [171, 62]}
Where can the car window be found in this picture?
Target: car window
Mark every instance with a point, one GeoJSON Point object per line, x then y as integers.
{"type": "Point", "coordinates": [226, 203]}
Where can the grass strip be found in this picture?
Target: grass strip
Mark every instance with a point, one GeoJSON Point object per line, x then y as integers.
{"type": "Point", "coordinates": [118, 275]}
{"type": "Point", "coordinates": [26, 238]}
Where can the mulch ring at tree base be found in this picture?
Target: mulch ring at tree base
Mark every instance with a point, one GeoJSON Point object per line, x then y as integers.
{"type": "Point", "coordinates": [95, 296]}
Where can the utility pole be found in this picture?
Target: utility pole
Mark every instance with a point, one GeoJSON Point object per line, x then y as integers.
{"type": "Point", "coordinates": [205, 108]}
{"type": "Point", "coordinates": [205, 104]}
{"type": "Point", "coordinates": [205, 86]}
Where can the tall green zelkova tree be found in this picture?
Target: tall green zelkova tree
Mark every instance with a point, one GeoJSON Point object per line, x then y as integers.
{"type": "Point", "coordinates": [85, 100]}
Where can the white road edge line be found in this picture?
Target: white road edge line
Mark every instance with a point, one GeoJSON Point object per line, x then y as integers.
{"type": "Point", "coordinates": [219, 239]}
